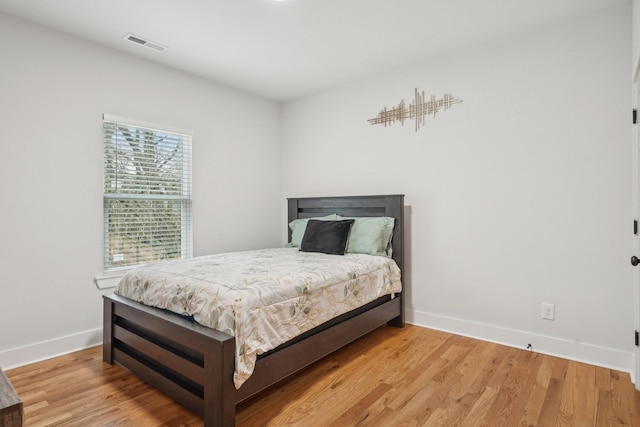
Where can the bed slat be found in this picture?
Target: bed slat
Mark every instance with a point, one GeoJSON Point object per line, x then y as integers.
{"type": "Point", "coordinates": [172, 361]}
{"type": "Point", "coordinates": [183, 396]}
{"type": "Point", "coordinates": [174, 328]}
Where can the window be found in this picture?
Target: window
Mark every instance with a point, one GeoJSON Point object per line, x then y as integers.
{"type": "Point", "coordinates": [147, 193]}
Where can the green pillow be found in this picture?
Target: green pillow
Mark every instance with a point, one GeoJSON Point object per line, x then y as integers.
{"type": "Point", "coordinates": [298, 227]}
{"type": "Point", "coordinates": [370, 235]}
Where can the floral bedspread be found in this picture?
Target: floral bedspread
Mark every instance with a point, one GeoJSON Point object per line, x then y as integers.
{"type": "Point", "coordinates": [265, 297]}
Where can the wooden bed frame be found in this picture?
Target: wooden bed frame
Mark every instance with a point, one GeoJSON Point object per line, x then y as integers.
{"type": "Point", "coordinates": [194, 364]}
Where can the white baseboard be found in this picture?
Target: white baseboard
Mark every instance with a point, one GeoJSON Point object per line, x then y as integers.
{"type": "Point", "coordinates": [580, 352]}
{"type": "Point", "coordinates": [25, 355]}
{"type": "Point", "coordinates": [566, 349]}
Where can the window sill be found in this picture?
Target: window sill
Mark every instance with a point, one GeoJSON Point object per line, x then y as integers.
{"type": "Point", "coordinates": [108, 280]}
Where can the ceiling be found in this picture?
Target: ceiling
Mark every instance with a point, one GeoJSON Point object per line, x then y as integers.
{"type": "Point", "coordinates": [287, 49]}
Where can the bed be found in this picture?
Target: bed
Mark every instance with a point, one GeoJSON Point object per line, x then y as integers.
{"type": "Point", "coordinates": [195, 365]}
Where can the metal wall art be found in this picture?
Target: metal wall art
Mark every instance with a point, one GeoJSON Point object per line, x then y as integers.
{"type": "Point", "coordinates": [418, 110]}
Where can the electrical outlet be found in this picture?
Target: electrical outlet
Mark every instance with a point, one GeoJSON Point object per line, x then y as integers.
{"type": "Point", "coordinates": [548, 311]}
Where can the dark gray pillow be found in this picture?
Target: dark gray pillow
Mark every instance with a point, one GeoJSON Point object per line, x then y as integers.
{"type": "Point", "coordinates": [327, 237]}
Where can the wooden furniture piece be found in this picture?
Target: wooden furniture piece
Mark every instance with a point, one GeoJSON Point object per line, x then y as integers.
{"type": "Point", "coordinates": [194, 364]}
{"type": "Point", "coordinates": [11, 414]}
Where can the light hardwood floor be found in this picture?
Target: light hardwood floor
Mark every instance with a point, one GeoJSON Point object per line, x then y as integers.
{"type": "Point", "coordinates": [392, 377]}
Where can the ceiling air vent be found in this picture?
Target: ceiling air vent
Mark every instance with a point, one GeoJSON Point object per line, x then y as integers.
{"type": "Point", "coordinates": [144, 42]}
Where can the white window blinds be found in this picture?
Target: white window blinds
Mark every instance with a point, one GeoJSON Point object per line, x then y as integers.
{"type": "Point", "coordinates": [147, 193]}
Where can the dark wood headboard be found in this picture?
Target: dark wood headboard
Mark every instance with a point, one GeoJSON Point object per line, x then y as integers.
{"type": "Point", "coordinates": [385, 205]}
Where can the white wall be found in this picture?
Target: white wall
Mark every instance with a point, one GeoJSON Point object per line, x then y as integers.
{"type": "Point", "coordinates": [519, 195]}
{"type": "Point", "coordinates": [635, 36]}
{"type": "Point", "coordinates": [53, 90]}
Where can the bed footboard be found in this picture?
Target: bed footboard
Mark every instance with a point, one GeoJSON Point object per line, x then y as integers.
{"type": "Point", "coordinates": [188, 362]}
{"type": "Point", "coordinates": [194, 365]}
